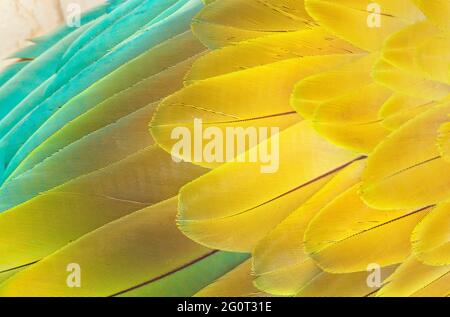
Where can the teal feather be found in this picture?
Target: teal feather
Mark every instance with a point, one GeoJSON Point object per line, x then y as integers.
{"type": "Point", "coordinates": [22, 139]}
{"type": "Point", "coordinates": [44, 69]}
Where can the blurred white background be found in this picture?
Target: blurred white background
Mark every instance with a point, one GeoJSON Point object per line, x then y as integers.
{"type": "Point", "coordinates": [21, 20]}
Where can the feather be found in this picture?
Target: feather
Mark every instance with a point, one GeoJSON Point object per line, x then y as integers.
{"type": "Point", "coordinates": [352, 121]}
{"type": "Point", "coordinates": [94, 152]}
{"type": "Point", "coordinates": [147, 243]}
{"type": "Point", "coordinates": [124, 90]}
{"type": "Point", "coordinates": [280, 254]}
{"type": "Point", "coordinates": [93, 149]}
{"type": "Point", "coordinates": [400, 49]}
{"type": "Point", "coordinates": [436, 11]}
{"type": "Point", "coordinates": [337, 232]}
{"type": "Point", "coordinates": [361, 138]}
{"type": "Point", "coordinates": [84, 182]}
{"type": "Point", "coordinates": [348, 19]}
{"type": "Point", "coordinates": [267, 49]}
{"type": "Point", "coordinates": [408, 83]}
{"type": "Point", "coordinates": [33, 75]}
{"type": "Point", "coordinates": [62, 90]}
{"type": "Point", "coordinates": [433, 58]}
{"type": "Point", "coordinates": [342, 285]}
{"type": "Point", "coordinates": [218, 25]}
{"type": "Point", "coordinates": [41, 45]}
{"type": "Point", "coordinates": [420, 48]}
{"type": "Point", "coordinates": [416, 279]}
{"type": "Point", "coordinates": [337, 112]}
{"type": "Point", "coordinates": [430, 239]}
{"type": "Point", "coordinates": [444, 141]}
{"type": "Point", "coordinates": [4, 275]}
{"type": "Point", "coordinates": [399, 109]}
{"type": "Point", "coordinates": [398, 103]}
{"type": "Point", "coordinates": [236, 283]}
{"type": "Point", "coordinates": [52, 219]}
{"type": "Point", "coordinates": [46, 69]}
{"type": "Point", "coordinates": [192, 277]}
{"type": "Point", "coordinates": [221, 102]}
{"type": "Point", "coordinates": [408, 163]}
{"type": "Point", "coordinates": [340, 79]}
{"type": "Point", "coordinates": [287, 281]}
{"type": "Point", "coordinates": [209, 217]}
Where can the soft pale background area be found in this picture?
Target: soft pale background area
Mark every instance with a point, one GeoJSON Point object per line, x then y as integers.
{"type": "Point", "coordinates": [21, 20]}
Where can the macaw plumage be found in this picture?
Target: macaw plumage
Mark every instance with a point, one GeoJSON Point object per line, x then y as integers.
{"type": "Point", "coordinates": [359, 96]}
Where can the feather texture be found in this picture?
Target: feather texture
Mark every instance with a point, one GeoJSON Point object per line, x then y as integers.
{"type": "Point", "coordinates": [355, 96]}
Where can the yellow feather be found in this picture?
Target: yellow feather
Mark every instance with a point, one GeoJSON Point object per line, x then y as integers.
{"type": "Point", "coordinates": [437, 11]}
{"type": "Point", "coordinates": [236, 283]}
{"type": "Point", "coordinates": [352, 121]}
{"type": "Point", "coordinates": [280, 255]}
{"type": "Point", "coordinates": [222, 102]}
{"type": "Point", "coordinates": [444, 141]}
{"type": "Point", "coordinates": [140, 247]}
{"type": "Point", "coordinates": [421, 49]}
{"type": "Point", "coordinates": [414, 278]}
{"type": "Point", "coordinates": [286, 281]}
{"type": "Point", "coordinates": [342, 79]}
{"type": "Point", "coordinates": [268, 49]}
{"type": "Point", "coordinates": [243, 202]}
{"type": "Point", "coordinates": [361, 138]}
{"type": "Point", "coordinates": [408, 83]}
{"type": "Point", "coordinates": [433, 57]}
{"type": "Point", "coordinates": [398, 103]}
{"type": "Point", "coordinates": [431, 239]}
{"type": "Point", "coordinates": [400, 49]}
{"type": "Point", "coordinates": [347, 236]}
{"type": "Point", "coordinates": [9, 273]}
{"type": "Point", "coordinates": [342, 285]}
{"type": "Point", "coordinates": [400, 108]}
{"type": "Point", "coordinates": [406, 170]}
{"type": "Point", "coordinates": [351, 19]}
{"type": "Point", "coordinates": [228, 22]}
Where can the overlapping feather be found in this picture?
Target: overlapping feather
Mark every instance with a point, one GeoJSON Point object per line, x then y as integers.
{"type": "Point", "coordinates": [364, 145]}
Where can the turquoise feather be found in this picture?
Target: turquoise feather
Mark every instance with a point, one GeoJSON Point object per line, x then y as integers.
{"type": "Point", "coordinates": [24, 137]}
